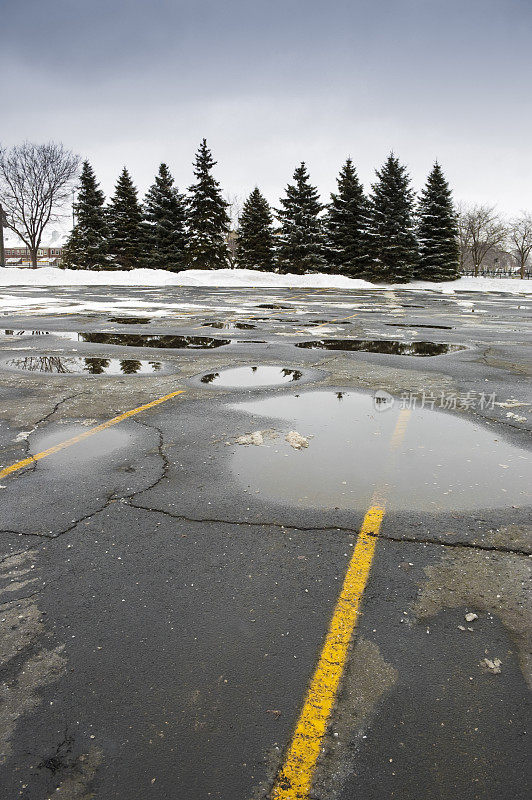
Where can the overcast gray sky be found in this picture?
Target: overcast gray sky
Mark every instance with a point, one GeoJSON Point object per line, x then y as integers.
{"type": "Point", "coordinates": [271, 83]}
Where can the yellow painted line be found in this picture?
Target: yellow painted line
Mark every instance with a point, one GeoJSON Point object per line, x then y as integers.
{"type": "Point", "coordinates": [294, 780]}
{"type": "Point", "coordinates": [26, 462]}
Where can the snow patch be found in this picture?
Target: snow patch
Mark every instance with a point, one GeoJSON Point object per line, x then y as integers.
{"type": "Point", "coordinates": [53, 276]}
{"type": "Point", "coordinates": [296, 441]}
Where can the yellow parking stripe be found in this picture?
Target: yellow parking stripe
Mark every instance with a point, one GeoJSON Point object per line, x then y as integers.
{"type": "Point", "coordinates": [26, 462]}
{"type": "Point", "coordinates": [294, 780]}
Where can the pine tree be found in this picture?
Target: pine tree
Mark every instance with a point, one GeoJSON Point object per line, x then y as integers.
{"type": "Point", "coordinates": [86, 247]}
{"type": "Point", "coordinates": [301, 240]}
{"type": "Point", "coordinates": [439, 251]}
{"type": "Point", "coordinates": [392, 242]}
{"type": "Point", "coordinates": [346, 226]}
{"type": "Point", "coordinates": [208, 221]}
{"type": "Point", "coordinates": [255, 243]}
{"type": "Point", "coordinates": [165, 218]}
{"type": "Point", "coordinates": [126, 233]}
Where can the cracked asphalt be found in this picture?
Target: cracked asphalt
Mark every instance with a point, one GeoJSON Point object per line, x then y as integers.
{"type": "Point", "coordinates": [164, 603]}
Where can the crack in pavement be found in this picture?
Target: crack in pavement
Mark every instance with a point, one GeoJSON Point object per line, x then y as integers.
{"type": "Point", "coordinates": [330, 528]}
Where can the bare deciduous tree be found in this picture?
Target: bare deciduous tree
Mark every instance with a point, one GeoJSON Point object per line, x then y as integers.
{"type": "Point", "coordinates": [520, 239]}
{"type": "Point", "coordinates": [35, 183]}
{"type": "Point", "coordinates": [481, 231]}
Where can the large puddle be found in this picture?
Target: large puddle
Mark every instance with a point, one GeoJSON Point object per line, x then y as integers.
{"type": "Point", "coordinates": [229, 326]}
{"type": "Point", "coordinates": [252, 377]}
{"type": "Point", "coordinates": [135, 339]}
{"type": "Point", "coordinates": [60, 365]}
{"type": "Point", "coordinates": [131, 339]}
{"type": "Point", "coordinates": [387, 346]}
{"type": "Point", "coordinates": [409, 325]}
{"type": "Point", "coordinates": [444, 463]}
{"type": "Point", "coordinates": [130, 320]}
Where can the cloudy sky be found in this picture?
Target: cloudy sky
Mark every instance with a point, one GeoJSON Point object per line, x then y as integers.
{"type": "Point", "coordinates": [272, 82]}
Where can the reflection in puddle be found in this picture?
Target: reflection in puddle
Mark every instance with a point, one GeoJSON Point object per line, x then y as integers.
{"type": "Point", "coordinates": [250, 377]}
{"type": "Point", "coordinates": [130, 320]}
{"type": "Point", "coordinates": [387, 346]}
{"type": "Point", "coordinates": [408, 325]}
{"type": "Point", "coordinates": [241, 326]}
{"type": "Point", "coordinates": [149, 340]}
{"type": "Point", "coordinates": [72, 336]}
{"type": "Point", "coordinates": [132, 339]}
{"type": "Point", "coordinates": [444, 463]}
{"type": "Point", "coordinates": [309, 324]}
{"type": "Point", "coordinates": [94, 366]}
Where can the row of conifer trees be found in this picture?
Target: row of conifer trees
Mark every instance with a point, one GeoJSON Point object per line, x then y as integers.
{"type": "Point", "coordinates": [384, 236]}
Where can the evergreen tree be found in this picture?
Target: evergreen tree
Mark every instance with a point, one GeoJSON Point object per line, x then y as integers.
{"type": "Point", "coordinates": [86, 247]}
{"type": "Point", "coordinates": [301, 240]}
{"type": "Point", "coordinates": [255, 244]}
{"type": "Point", "coordinates": [208, 221]}
{"type": "Point", "coordinates": [439, 251]}
{"type": "Point", "coordinates": [126, 233]}
{"type": "Point", "coordinates": [165, 217]}
{"type": "Point", "coordinates": [392, 243]}
{"type": "Point", "coordinates": [346, 224]}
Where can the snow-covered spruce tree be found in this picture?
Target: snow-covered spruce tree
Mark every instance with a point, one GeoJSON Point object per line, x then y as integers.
{"type": "Point", "coordinates": [126, 232]}
{"type": "Point", "coordinates": [437, 230]}
{"type": "Point", "coordinates": [86, 247]}
{"type": "Point", "coordinates": [255, 243]}
{"type": "Point", "coordinates": [301, 240]}
{"type": "Point", "coordinates": [346, 226]}
{"type": "Point", "coordinates": [392, 242]}
{"type": "Point", "coordinates": [165, 219]}
{"type": "Point", "coordinates": [208, 221]}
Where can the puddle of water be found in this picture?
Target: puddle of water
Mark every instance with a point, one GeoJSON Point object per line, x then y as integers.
{"type": "Point", "coordinates": [71, 336]}
{"type": "Point", "coordinates": [130, 320]}
{"type": "Point", "coordinates": [274, 306]}
{"type": "Point", "coordinates": [132, 339]}
{"type": "Point", "coordinates": [241, 326]}
{"type": "Point", "coordinates": [98, 445]}
{"type": "Point", "coordinates": [444, 463]}
{"type": "Point", "coordinates": [310, 323]}
{"type": "Point", "coordinates": [387, 346]}
{"type": "Point", "coordinates": [408, 325]}
{"type": "Point", "coordinates": [150, 340]}
{"type": "Point", "coordinates": [252, 377]}
{"type": "Point", "coordinates": [59, 365]}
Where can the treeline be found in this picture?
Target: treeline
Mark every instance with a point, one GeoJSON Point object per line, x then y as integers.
{"type": "Point", "coordinates": [386, 235]}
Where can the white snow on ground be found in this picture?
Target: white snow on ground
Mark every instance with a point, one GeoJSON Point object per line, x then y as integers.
{"type": "Point", "coordinates": [52, 276]}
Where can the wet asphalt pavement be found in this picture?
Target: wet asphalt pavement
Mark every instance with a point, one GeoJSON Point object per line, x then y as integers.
{"type": "Point", "coordinates": [166, 590]}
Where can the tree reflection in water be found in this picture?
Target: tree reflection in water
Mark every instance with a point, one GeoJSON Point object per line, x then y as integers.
{"type": "Point", "coordinates": [96, 366]}
{"type": "Point", "coordinates": [41, 364]}
{"type": "Point", "coordinates": [80, 365]}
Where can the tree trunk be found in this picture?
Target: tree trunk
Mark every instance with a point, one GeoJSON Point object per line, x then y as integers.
{"type": "Point", "coordinates": [33, 256]}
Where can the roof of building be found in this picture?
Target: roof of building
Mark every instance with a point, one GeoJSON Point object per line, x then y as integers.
{"type": "Point", "coordinates": [53, 237]}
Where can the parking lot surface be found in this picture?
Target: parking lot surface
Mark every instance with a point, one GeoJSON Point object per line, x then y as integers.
{"type": "Point", "coordinates": [264, 544]}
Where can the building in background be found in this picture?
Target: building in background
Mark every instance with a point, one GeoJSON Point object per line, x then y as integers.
{"type": "Point", "coordinates": [49, 253]}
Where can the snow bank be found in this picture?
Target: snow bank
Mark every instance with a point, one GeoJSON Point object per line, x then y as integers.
{"type": "Point", "coordinates": [52, 276]}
